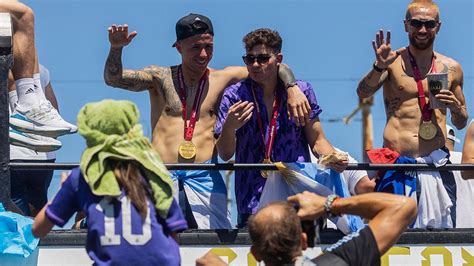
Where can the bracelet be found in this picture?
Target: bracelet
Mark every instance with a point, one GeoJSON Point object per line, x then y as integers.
{"type": "Point", "coordinates": [378, 69]}
{"type": "Point", "coordinates": [328, 205]}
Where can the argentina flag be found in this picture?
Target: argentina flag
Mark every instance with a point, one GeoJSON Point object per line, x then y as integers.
{"type": "Point", "coordinates": [293, 178]}
{"type": "Point", "coordinates": [207, 196]}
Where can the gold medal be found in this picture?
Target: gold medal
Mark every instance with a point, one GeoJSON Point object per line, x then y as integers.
{"type": "Point", "coordinates": [187, 150]}
{"type": "Point", "coordinates": [427, 130]}
{"type": "Point", "coordinates": [265, 173]}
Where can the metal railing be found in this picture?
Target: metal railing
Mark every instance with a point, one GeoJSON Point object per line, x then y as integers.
{"type": "Point", "coordinates": [256, 166]}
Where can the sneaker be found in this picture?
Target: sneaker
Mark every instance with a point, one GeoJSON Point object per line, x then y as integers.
{"type": "Point", "coordinates": [42, 119]}
{"type": "Point", "coordinates": [33, 142]}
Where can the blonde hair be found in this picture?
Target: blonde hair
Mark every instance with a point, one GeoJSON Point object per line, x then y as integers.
{"type": "Point", "coordinates": [419, 4]}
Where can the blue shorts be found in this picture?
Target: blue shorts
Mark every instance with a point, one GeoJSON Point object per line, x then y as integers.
{"type": "Point", "coordinates": [30, 187]}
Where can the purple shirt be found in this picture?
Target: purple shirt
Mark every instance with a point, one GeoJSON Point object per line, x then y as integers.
{"type": "Point", "coordinates": [116, 234]}
{"type": "Point", "coordinates": [290, 142]}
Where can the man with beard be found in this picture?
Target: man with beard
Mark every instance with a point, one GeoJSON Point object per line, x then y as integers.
{"type": "Point", "coordinates": [413, 129]}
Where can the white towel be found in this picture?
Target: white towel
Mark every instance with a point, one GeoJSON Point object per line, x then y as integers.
{"type": "Point", "coordinates": [434, 204]}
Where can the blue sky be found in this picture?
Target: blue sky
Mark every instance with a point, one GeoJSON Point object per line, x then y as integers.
{"type": "Point", "coordinates": [327, 43]}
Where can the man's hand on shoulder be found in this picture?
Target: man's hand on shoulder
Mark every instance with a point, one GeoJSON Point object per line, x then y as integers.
{"type": "Point", "coordinates": [119, 37]}
{"type": "Point", "coordinates": [298, 105]}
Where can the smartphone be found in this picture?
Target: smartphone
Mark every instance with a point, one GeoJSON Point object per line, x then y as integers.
{"type": "Point", "coordinates": [436, 83]}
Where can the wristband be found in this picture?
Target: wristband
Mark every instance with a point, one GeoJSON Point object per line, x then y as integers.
{"type": "Point", "coordinates": [328, 205]}
{"type": "Point", "coordinates": [378, 69]}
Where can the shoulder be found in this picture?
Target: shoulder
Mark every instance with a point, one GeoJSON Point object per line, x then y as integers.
{"type": "Point", "coordinates": [449, 64]}
{"type": "Point", "coordinates": [446, 59]}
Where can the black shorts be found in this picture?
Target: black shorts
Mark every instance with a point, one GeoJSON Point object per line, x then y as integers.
{"type": "Point", "coordinates": [356, 249]}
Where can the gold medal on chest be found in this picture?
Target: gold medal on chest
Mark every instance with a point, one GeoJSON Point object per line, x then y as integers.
{"type": "Point", "coordinates": [187, 150]}
{"type": "Point", "coordinates": [427, 130]}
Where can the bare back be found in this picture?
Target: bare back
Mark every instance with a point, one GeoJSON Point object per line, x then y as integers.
{"type": "Point", "coordinates": [403, 112]}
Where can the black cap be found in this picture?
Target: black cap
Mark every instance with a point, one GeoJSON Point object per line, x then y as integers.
{"type": "Point", "coordinates": [191, 25]}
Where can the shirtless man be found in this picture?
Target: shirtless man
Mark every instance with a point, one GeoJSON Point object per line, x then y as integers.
{"type": "Point", "coordinates": [195, 44]}
{"type": "Point", "coordinates": [394, 70]}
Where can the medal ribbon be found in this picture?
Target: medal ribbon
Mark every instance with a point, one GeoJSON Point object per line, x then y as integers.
{"type": "Point", "coordinates": [425, 109]}
{"type": "Point", "coordinates": [189, 127]}
{"type": "Point", "coordinates": [272, 125]}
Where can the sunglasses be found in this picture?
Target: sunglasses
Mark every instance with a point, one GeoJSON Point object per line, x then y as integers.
{"type": "Point", "coordinates": [261, 58]}
{"type": "Point", "coordinates": [429, 24]}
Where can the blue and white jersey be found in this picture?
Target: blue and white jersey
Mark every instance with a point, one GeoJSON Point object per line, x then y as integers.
{"type": "Point", "coordinates": [116, 234]}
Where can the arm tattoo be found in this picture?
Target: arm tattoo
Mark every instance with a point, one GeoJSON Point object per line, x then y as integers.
{"type": "Point", "coordinates": [365, 89]}
{"type": "Point", "coordinates": [113, 65]}
{"type": "Point", "coordinates": [115, 76]}
{"type": "Point", "coordinates": [449, 69]}
{"type": "Point", "coordinates": [369, 76]}
{"type": "Point", "coordinates": [452, 69]}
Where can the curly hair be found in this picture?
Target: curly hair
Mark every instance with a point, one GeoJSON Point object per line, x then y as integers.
{"type": "Point", "coordinates": [276, 237]}
{"type": "Point", "coordinates": [267, 37]}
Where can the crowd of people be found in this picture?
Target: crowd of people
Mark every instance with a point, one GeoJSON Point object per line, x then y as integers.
{"type": "Point", "coordinates": [134, 207]}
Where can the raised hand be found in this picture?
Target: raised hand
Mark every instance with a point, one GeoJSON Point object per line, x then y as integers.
{"type": "Point", "coordinates": [383, 50]}
{"type": "Point", "coordinates": [239, 114]}
{"type": "Point", "coordinates": [119, 37]}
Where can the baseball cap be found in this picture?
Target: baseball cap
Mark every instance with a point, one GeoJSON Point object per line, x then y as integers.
{"type": "Point", "coordinates": [191, 25]}
{"type": "Point", "coordinates": [451, 134]}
